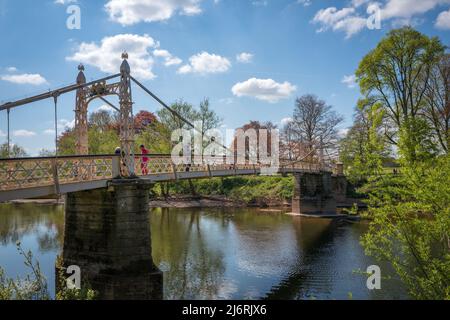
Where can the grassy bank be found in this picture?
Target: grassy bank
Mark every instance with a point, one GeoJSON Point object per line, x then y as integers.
{"type": "Point", "coordinates": [261, 191]}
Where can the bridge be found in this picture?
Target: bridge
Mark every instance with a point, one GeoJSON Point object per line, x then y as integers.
{"type": "Point", "coordinates": [107, 227]}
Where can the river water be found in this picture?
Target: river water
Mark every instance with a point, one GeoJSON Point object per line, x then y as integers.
{"type": "Point", "coordinates": [222, 253]}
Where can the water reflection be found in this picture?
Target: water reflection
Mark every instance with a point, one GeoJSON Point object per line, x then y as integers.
{"type": "Point", "coordinates": [222, 253]}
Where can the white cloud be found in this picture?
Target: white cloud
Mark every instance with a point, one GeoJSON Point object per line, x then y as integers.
{"type": "Point", "coordinates": [353, 19]}
{"type": "Point", "coordinates": [244, 57]}
{"type": "Point", "coordinates": [285, 121]}
{"type": "Point", "coordinates": [26, 78]}
{"type": "Point", "coordinates": [443, 20]}
{"type": "Point", "coordinates": [264, 89]}
{"type": "Point", "coordinates": [339, 20]}
{"type": "Point", "coordinates": [64, 124]}
{"type": "Point", "coordinates": [107, 55]}
{"type": "Point", "coordinates": [408, 8]}
{"type": "Point", "coordinates": [129, 12]}
{"type": "Point", "coordinates": [349, 81]}
{"type": "Point", "coordinates": [169, 59]}
{"type": "Point", "coordinates": [105, 107]}
{"type": "Point", "coordinates": [204, 63]}
{"type": "Point", "coordinates": [343, 132]}
{"type": "Point", "coordinates": [11, 69]}
{"type": "Point", "coordinates": [23, 133]}
{"type": "Point", "coordinates": [2, 134]}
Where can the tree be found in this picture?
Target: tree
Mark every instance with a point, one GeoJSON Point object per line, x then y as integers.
{"type": "Point", "coordinates": [15, 151]}
{"type": "Point", "coordinates": [142, 120]}
{"type": "Point", "coordinates": [397, 74]}
{"type": "Point", "coordinates": [410, 223]}
{"type": "Point", "coordinates": [364, 147]}
{"type": "Point", "coordinates": [437, 97]}
{"type": "Point", "coordinates": [173, 122]}
{"type": "Point", "coordinates": [208, 118]}
{"type": "Point", "coordinates": [315, 123]}
{"type": "Point", "coordinates": [101, 120]}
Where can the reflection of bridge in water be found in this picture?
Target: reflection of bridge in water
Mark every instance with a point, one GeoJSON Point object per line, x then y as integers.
{"type": "Point", "coordinates": [107, 228]}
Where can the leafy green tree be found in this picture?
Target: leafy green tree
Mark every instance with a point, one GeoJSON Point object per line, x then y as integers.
{"type": "Point", "coordinates": [15, 151]}
{"type": "Point", "coordinates": [437, 97]}
{"type": "Point", "coordinates": [364, 148]}
{"type": "Point", "coordinates": [410, 226]}
{"type": "Point", "coordinates": [396, 74]}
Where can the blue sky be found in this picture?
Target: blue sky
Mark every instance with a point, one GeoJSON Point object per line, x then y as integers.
{"type": "Point", "coordinates": [252, 58]}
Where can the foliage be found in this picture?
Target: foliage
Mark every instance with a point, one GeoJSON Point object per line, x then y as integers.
{"type": "Point", "coordinates": [260, 190]}
{"type": "Point", "coordinates": [14, 152]}
{"type": "Point", "coordinates": [34, 285]}
{"type": "Point", "coordinates": [64, 293]}
{"type": "Point", "coordinates": [397, 74]}
{"type": "Point", "coordinates": [364, 148]}
{"type": "Point", "coordinates": [411, 224]}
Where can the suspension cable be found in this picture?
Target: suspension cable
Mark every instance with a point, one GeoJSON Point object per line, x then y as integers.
{"type": "Point", "coordinates": [176, 114]}
{"type": "Point", "coordinates": [8, 133]}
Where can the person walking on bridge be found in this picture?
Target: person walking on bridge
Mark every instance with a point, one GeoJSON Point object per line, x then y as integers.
{"type": "Point", "coordinates": [144, 160]}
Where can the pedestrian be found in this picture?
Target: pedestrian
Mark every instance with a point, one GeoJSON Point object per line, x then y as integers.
{"type": "Point", "coordinates": [144, 160]}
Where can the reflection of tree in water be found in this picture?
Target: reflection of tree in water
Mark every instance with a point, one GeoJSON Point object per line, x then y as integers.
{"type": "Point", "coordinates": [179, 240]}
{"type": "Point", "coordinates": [313, 237]}
{"type": "Point", "coordinates": [45, 221]}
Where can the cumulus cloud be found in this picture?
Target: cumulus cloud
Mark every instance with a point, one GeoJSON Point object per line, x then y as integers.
{"type": "Point", "coordinates": [443, 20]}
{"type": "Point", "coordinates": [204, 63]}
{"type": "Point", "coordinates": [352, 19]}
{"type": "Point", "coordinates": [23, 133]}
{"type": "Point", "coordinates": [349, 81]}
{"type": "Point", "coordinates": [286, 121]}
{"type": "Point", "coordinates": [244, 57]}
{"type": "Point", "coordinates": [105, 107]}
{"type": "Point", "coordinates": [339, 20]}
{"type": "Point", "coordinates": [11, 69]}
{"type": "Point", "coordinates": [169, 59]}
{"type": "Point", "coordinates": [26, 78]}
{"type": "Point", "coordinates": [264, 89]}
{"type": "Point", "coordinates": [129, 12]}
{"type": "Point", "coordinates": [106, 56]}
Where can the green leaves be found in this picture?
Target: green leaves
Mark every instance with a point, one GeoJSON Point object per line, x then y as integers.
{"type": "Point", "coordinates": [411, 226]}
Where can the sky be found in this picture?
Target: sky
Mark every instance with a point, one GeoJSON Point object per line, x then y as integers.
{"type": "Point", "coordinates": [251, 58]}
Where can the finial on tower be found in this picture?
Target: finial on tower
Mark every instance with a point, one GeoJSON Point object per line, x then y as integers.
{"type": "Point", "coordinates": [125, 67]}
{"type": "Point", "coordinates": [81, 79]}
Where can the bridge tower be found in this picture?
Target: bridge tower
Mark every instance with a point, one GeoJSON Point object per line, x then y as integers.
{"type": "Point", "coordinates": [81, 121]}
{"type": "Point", "coordinates": [126, 118]}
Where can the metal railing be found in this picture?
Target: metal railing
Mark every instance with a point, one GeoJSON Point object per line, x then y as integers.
{"type": "Point", "coordinates": [22, 173]}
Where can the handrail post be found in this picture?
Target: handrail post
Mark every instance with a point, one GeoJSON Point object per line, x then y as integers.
{"type": "Point", "coordinates": [174, 171]}
{"type": "Point", "coordinates": [55, 175]}
{"type": "Point", "coordinates": [116, 166]}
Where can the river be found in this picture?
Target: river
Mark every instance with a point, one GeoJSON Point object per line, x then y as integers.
{"type": "Point", "coordinates": [222, 253]}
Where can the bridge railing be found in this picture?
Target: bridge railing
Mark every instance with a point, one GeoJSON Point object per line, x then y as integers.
{"type": "Point", "coordinates": [21, 173]}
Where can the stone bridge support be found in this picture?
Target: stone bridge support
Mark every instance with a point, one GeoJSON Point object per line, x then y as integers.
{"type": "Point", "coordinates": [313, 194]}
{"type": "Point", "coordinates": [107, 234]}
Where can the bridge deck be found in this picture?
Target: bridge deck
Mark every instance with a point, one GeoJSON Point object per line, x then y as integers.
{"type": "Point", "coordinates": [39, 177]}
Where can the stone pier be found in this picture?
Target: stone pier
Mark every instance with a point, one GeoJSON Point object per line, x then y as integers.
{"type": "Point", "coordinates": [107, 234]}
{"type": "Point", "coordinates": [313, 194]}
